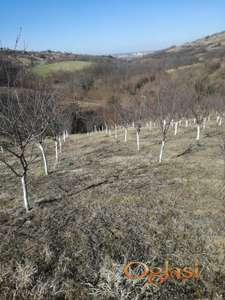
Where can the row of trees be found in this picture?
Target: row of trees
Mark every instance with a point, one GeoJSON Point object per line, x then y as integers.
{"type": "Point", "coordinates": [27, 117]}
{"type": "Point", "coordinates": [30, 112]}
{"type": "Point", "coordinates": [165, 102]}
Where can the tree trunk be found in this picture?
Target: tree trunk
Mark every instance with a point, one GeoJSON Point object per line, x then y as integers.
{"type": "Point", "coordinates": [161, 151]}
{"type": "Point", "coordinates": [116, 135]}
{"type": "Point", "coordinates": [164, 125]}
{"type": "Point", "coordinates": [138, 141]}
{"type": "Point", "coordinates": [125, 135]}
{"type": "Point", "coordinates": [150, 125]}
{"type": "Point", "coordinates": [198, 132]}
{"type": "Point", "coordinates": [175, 130]}
{"type": "Point", "coordinates": [60, 145]}
{"type": "Point", "coordinates": [204, 123]}
{"type": "Point", "coordinates": [25, 194]}
{"type": "Point", "coordinates": [56, 153]}
{"type": "Point", "coordinates": [44, 158]}
{"type": "Point", "coordinates": [64, 136]}
{"type": "Point", "coordinates": [186, 124]}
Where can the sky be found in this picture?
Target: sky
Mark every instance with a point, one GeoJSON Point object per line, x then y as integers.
{"type": "Point", "coordinates": [108, 26]}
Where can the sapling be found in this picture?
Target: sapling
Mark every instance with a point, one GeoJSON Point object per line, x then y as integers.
{"type": "Point", "coordinates": [138, 130]}
{"type": "Point", "coordinates": [125, 134]}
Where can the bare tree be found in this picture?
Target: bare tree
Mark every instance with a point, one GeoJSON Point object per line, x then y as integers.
{"type": "Point", "coordinates": [164, 99]}
{"type": "Point", "coordinates": [199, 93]}
{"type": "Point", "coordinates": [22, 122]}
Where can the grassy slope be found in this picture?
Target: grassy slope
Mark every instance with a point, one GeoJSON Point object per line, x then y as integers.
{"type": "Point", "coordinates": [175, 209]}
{"type": "Point", "coordinates": [66, 66]}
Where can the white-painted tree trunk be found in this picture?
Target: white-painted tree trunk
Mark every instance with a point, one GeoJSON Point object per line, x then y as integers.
{"type": "Point", "coordinates": [44, 158]}
{"type": "Point", "coordinates": [220, 121]}
{"type": "Point", "coordinates": [138, 141]}
{"type": "Point", "coordinates": [116, 133]}
{"type": "Point", "coordinates": [204, 124]}
{"type": "Point", "coordinates": [67, 134]}
{"type": "Point", "coordinates": [161, 151]}
{"type": "Point", "coordinates": [25, 194]}
{"type": "Point", "coordinates": [133, 124]}
{"type": "Point", "coordinates": [60, 145]}
{"type": "Point", "coordinates": [175, 128]}
{"type": "Point", "coordinates": [198, 132]}
{"type": "Point", "coordinates": [150, 125]}
{"type": "Point", "coordinates": [64, 136]}
{"type": "Point", "coordinates": [125, 134]}
{"type": "Point", "coordinates": [186, 124]}
{"type": "Point", "coordinates": [56, 153]}
{"type": "Point", "coordinates": [164, 125]}
{"type": "Point", "coordinates": [1, 148]}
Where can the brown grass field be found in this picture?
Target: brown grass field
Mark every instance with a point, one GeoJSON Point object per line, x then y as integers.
{"type": "Point", "coordinates": [106, 204]}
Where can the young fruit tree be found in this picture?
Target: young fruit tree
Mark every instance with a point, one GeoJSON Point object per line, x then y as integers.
{"type": "Point", "coordinates": [23, 122]}
{"type": "Point", "coordinates": [164, 99]}
{"type": "Point", "coordinates": [199, 94]}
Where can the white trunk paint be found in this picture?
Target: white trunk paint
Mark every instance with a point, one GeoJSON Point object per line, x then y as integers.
{"type": "Point", "coordinates": [60, 145]}
{"type": "Point", "coordinates": [175, 128]}
{"type": "Point", "coordinates": [56, 153]}
{"type": "Point", "coordinates": [133, 124]}
{"type": "Point", "coordinates": [204, 123]}
{"type": "Point", "coordinates": [150, 125]}
{"type": "Point", "coordinates": [125, 135]}
{"type": "Point", "coordinates": [198, 133]}
{"type": "Point", "coordinates": [1, 148]}
{"type": "Point", "coordinates": [64, 136]}
{"type": "Point", "coordinates": [67, 134]}
{"type": "Point", "coordinates": [161, 151]}
{"type": "Point", "coordinates": [217, 119]}
{"type": "Point", "coordinates": [186, 123]}
{"type": "Point", "coordinates": [164, 125]}
{"type": "Point", "coordinates": [220, 121]}
{"type": "Point", "coordinates": [25, 194]}
{"type": "Point", "coordinates": [138, 141]}
{"type": "Point", "coordinates": [44, 158]}
{"type": "Point", "coordinates": [116, 134]}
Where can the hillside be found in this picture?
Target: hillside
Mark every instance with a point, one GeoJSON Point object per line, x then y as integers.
{"type": "Point", "coordinates": [105, 204]}
{"type": "Point", "coordinates": [107, 161]}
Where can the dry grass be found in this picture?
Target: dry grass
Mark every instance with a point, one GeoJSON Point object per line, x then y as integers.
{"type": "Point", "coordinates": [105, 205]}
